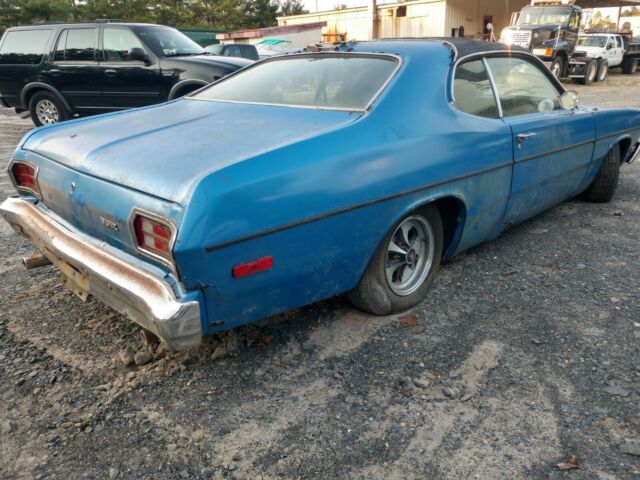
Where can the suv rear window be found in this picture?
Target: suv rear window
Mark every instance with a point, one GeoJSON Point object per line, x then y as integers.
{"type": "Point", "coordinates": [24, 47]}
{"type": "Point", "coordinates": [341, 81]}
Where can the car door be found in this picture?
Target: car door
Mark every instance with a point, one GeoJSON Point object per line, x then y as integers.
{"type": "Point", "coordinates": [74, 71]}
{"type": "Point", "coordinates": [619, 49]}
{"type": "Point", "coordinates": [131, 76]}
{"type": "Point", "coordinates": [552, 146]}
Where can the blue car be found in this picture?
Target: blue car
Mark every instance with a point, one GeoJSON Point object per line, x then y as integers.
{"type": "Point", "coordinates": [356, 170]}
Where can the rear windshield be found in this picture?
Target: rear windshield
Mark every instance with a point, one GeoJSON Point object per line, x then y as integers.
{"type": "Point", "coordinates": [21, 47]}
{"type": "Point", "coordinates": [344, 82]}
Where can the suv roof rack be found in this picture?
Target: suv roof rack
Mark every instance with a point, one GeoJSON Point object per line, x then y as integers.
{"type": "Point", "coordinates": [111, 20]}
{"type": "Point", "coordinates": [47, 22]}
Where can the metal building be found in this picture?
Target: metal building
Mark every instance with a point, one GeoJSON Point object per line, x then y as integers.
{"type": "Point", "coordinates": [424, 18]}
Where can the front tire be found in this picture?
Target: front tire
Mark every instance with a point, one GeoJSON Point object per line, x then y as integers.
{"type": "Point", "coordinates": [603, 71]}
{"type": "Point", "coordinates": [590, 72]}
{"type": "Point", "coordinates": [557, 67]}
{"type": "Point", "coordinates": [604, 185]}
{"type": "Point", "coordinates": [46, 109]}
{"type": "Point", "coordinates": [404, 265]}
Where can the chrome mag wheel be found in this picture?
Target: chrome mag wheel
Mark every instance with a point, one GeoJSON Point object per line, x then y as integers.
{"type": "Point", "coordinates": [47, 112]}
{"type": "Point", "coordinates": [410, 255]}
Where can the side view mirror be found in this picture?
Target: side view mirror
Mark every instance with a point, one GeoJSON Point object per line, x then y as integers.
{"type": "Point", "coordinates": [609, 47]}
{"type": "Point", "coordinates": [139, 54]}
{"type": "Point", "coordinates": [569, 100]}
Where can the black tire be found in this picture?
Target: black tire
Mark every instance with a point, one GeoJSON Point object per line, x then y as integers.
{"type": "Point", "coordinates": [603, 71]}
{"type": "Point", "coordinates": [374, 294]}
{"type": "Point", "coordinates": [557, 67]}
{"type": "Point", "coordinates": [630, 66]}
{"type": "Point", "coordinates": [590, 72]}
{"type": "Point", "coordinates": [55, 109]}
{"type": "Point", "coordinates": [604, 185]}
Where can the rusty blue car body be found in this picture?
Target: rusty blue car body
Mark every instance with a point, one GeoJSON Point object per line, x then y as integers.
{"type": "Point", "coordinates": [314, 190]}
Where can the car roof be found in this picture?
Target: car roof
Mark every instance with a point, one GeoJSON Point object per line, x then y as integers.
{"type": "Point", "coordinates": [49, 25]}
{"type": "Point", "coordinates": [460, 47]}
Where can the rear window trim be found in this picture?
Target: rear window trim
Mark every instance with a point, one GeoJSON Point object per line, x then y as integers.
{"type": "Point", "coordinates": [280, 58]}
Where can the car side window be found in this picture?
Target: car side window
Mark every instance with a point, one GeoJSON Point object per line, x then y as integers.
{"type": "Point", "coordinates": [522, 87]}
{"type": "Point", "coordinates": [472, 90]}
{"type": "Point", "coordinates": [611, 42]}
{"type": "Point", "coordinates": [618, 42]}
{"type": "Point", "coordinates": [118, 43]}
{"type": "Point", "coordinates": [24, 47]}
{"type": "Point", "coordinates": [79, 45]}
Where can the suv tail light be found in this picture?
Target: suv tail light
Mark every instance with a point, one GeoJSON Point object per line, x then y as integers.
{"type": "Point", "coordinates": [24, 176]}
{"type": "Point", "coordinates": [154, 236]}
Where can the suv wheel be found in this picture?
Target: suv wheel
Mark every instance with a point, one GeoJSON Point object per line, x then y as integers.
{"type": "Point", "coordinates": [46, 109]}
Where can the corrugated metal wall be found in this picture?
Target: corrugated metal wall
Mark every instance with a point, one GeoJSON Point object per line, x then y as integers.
{"type": "Point", "coordinates": [422, 19]}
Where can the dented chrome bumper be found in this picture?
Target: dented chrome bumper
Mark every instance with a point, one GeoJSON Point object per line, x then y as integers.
{"type": "Point", "coordinates": [145, 298]}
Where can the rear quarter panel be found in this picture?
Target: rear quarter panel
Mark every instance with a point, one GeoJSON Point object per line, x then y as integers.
{"type": "Point", "coordinates": [321, 207]}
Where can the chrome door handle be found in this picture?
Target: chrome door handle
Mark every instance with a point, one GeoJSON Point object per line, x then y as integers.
{"type": "Point", "coordinates": [110, 72]}
{"type": "Point", "coordinates": [521, 137]}
{"type": "Point", "coordinates": [55, 71]}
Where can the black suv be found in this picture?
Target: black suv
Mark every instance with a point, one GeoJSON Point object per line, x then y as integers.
{"type": "Point", "coordinates": [57, 71]}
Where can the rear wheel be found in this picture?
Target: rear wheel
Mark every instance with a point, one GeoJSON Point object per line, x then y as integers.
{"type": "Point", "coordinates": [557, 67]}
{"type": "Point", "coordinates": [630, 66]}
{"type": "Point", "coordinates": [402, 269]}
{"type": "Point", "coordinates": [604, 185]}
{"type": "Point", "coordinates": [603, 70]}
{"type": "Point", "coordinates": [46, 109]}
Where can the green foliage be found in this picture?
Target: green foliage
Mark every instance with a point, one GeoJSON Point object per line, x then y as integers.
{"type": "Point", "coordinates": [631, 12]}
{"type": "Point", "coordinates": [213, 14]}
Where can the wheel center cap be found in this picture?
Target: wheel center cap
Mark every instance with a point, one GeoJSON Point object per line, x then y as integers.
{"type": "Point", "coordinates": [411, 256]}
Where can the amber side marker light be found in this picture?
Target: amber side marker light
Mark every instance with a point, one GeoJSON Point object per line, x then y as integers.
{"type": "Point", "coordinates": [255, 266]}
{"type": "Point", "coordinates": [24, 176]}
{"type": "Point", "coordinates": [153, 236]}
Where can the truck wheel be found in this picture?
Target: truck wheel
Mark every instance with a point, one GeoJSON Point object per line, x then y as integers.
{"type": "Point", "coordinates": [630, 66]}
{"type": "Point", "coordinates": [46, 109]}
{"type": "Point", "coordinates": [590, 72]}
{"type": "Point", "coordinates": [557, 67]}
{"type": "Point", "coordinates": [603, 70]}
{"type": "Point", "coordinates": [604, 185]}
{"type": "Point", "coordinates": [403, 266]}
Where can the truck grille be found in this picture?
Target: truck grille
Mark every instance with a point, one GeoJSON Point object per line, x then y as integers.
{"type": "Point", "coordinates": [515, 37]}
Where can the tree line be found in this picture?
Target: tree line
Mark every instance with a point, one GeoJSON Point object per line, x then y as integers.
{"type": "Point", "coordinates": [210, 14]}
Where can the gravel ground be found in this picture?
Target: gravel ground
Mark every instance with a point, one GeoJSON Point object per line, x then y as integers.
{"type": "Point", "coordinates": [525, 353]}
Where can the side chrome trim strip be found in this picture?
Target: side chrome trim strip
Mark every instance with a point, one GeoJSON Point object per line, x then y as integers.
{"type": "Point", "coordinates": [339, 211]}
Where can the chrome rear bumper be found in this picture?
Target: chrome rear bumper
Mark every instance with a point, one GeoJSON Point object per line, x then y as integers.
{"type": "Point", "coordinates": [143, 297]}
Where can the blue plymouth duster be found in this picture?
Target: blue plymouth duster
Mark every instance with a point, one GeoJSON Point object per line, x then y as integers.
{"type": "Point", "coordinates": [356, 169]}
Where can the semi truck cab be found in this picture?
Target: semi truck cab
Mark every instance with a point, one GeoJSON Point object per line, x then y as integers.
{"type": "Point", "coordinates": [549, 29]}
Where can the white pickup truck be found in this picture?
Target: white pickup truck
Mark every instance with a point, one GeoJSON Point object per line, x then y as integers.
{"type": "Point", "coordinates": [606, 48]}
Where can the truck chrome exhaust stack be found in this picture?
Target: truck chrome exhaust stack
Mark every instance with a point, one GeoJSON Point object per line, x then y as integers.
{"type": "Point", "coordinates": [35, 260]}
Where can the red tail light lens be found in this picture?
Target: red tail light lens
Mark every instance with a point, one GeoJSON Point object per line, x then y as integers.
{"type": "Point", "coordinates": [154, 236]}
{"type": "Point", "coordinates": [24, 177]}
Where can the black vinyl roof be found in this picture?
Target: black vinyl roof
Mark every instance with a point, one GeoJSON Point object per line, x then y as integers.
{"type": "Point", "coordinates": [466, 46]}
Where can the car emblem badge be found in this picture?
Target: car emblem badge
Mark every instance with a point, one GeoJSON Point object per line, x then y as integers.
{"type": "Point", "coordinates": [109, 224]}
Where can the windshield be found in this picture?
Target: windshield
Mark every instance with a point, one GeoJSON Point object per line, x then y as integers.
{"type": "Point", "coordinates": [544, 16]}
{"type": "Point", "coordinates": [335, 81]}
{"type": "Point", "coordinates": [598, 41]}
{"type": "Point", "coordinates": [168, 42]}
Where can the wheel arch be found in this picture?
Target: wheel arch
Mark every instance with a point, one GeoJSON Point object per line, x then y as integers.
{"type": "Point", "coordinates": [181, 86]}
{"type": "Point", "coordinates": [453, 211]}
{"type": "Point", "coordinates": [32, 88]}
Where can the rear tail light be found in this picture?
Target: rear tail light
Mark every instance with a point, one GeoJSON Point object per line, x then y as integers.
{"type": "Point", "coordinates": [24, 176]}
{"type": "Point", "coordinates": [154, 236]}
